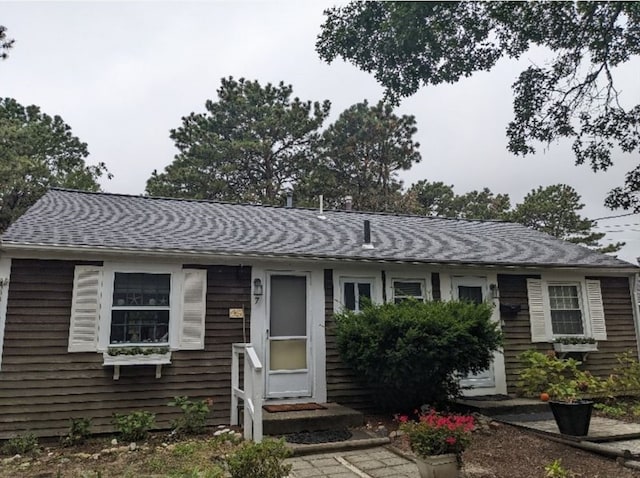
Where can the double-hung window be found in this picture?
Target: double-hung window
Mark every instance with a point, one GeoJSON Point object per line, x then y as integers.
{"type": "Point", "coordinates": [140, 310]}
{"type": "Point", "coordinates": [408, 289]}
{"type": "Point", "coordinates": [566, 309]}
{"type": "Point", "coordinates": [355, 292]}
{"type": "Point", "coordinates": [115, 306]}
{"type": "Point", "coordinates": [560, 308]}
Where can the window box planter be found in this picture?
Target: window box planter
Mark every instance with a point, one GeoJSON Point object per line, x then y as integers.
{"type": "Point", "coordinates": [158, 359]}
{"type": "Point", "coordinates": [565, 348]}
{"type": "Point", "coordinates": [584, 349]}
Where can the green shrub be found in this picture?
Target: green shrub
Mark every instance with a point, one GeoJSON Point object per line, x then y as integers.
{"type": "Point", "coordinates": [198, 473]}
{"type": "Point", "coordinates": [625, 379]}
{"type": "Point", "coordinates": [260, 460]}
{"type": "Point", "coordinates": [134, 426]}
{"type": "Point", "coordinates": [79, 431]}
{"type": "Point", "coordinates": [194, 417]}
{"type": "Point", "coordinates": [21, 444]}
{"type": "Point", "coordinates": [414, 353]}
{"type": "Point", "coordinates": [612, 411]}
{"type": "Point", "coordinates": [560, 378]}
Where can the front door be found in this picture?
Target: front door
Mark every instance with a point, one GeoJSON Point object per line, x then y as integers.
{"type": "Point", "coordinates": [287, 348]}
{"type": "Point", "coordinates": [474, 289]}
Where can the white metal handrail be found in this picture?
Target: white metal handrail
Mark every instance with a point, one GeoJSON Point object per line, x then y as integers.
{"type": "Point", "coordinates": [251, 392]}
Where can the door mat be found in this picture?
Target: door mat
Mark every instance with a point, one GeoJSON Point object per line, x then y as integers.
{"type": "Point", "coordinates": [293, 407]}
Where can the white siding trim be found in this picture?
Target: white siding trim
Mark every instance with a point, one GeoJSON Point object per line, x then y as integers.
{"type": "Point", "coordinates": [537, 311]}
{"type": "Point", "coordinates": [634, 289]}
{"type": "Point", "coordinates": [596, 310]}
{"type": "Point", "coordinates": [5, 276]}
{"type": "Point", "coordinates": [84, 322]}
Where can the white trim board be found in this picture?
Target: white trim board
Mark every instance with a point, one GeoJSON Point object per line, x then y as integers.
{"type": "Point", "coordinates": [5, 282]}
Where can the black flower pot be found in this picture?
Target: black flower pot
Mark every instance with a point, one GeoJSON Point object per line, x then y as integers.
{"type": "Point", "coordinates": [573, 418]}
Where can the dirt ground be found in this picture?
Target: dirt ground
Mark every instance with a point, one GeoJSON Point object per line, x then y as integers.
{"type": "Point", "coordinates": [504, 451]}
{"type": "Point", "coordinates": [500, 451]}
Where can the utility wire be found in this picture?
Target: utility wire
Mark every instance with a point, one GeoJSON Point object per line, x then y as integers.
{"type": "Point", "coordinates": [619, 225]}
{"type": "Point", "coordinates": [613, 217]}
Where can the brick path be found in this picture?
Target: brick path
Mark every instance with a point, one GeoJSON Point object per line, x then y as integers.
{"type": "Point", "coordinates": [371, 463]}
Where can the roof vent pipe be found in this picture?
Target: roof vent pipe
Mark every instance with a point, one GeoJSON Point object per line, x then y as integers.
{"type": "Point", "coordinates": [321, 215]}
{"type": "Point", "coordinates": [367, 235]}
{"type": "Point", "coordinates": [289, 199]}
{"type": "Point", "coordinates": [348, 203]}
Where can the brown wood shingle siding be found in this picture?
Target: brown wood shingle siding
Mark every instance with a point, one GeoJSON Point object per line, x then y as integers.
{"type": "Point", "coordinates": [342, 385]}
{"type": "Point", "coordinates": [621, 335]}
{"type": "Point", "coordinates": [42, 385]}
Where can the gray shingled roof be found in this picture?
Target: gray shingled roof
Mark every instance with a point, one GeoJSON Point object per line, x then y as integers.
{"type": "Point", "coordinates": [72, 219]}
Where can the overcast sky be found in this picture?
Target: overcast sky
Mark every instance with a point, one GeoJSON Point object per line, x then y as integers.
{"type": "Point", "coordinates": [122, 74]}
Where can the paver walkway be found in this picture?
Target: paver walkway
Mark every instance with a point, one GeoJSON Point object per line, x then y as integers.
{"type": "Point", "coordinates": [600, 428]}
{"type": "Point", "coordinates": [371, 463]}
{"type": "Point", "coordinates": [380, 462]}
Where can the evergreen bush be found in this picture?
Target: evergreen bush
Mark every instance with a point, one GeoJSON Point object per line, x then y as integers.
{"type": "Point", "coordinates": [414, 353]}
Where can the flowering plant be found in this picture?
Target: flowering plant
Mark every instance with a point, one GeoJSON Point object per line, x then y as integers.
{"type": "Point", "coordinates": [438, 434]}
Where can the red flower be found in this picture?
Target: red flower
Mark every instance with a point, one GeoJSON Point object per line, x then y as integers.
{"type": "Point", "coordinates": [451, 440]}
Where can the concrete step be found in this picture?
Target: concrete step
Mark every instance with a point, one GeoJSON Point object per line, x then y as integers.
{"type": "Point", "coordinates": [511, 406]}
{"type": "Point", "coordinates": [361, 439]}
{"type": "Point", "coordinates": [333, 417]}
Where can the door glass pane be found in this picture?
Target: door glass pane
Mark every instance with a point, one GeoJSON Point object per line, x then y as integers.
{"type": "Point", "coordinates": [350, 295]}
{"type": "Point", "coordinates": [472, 294]}
{"type": "Point", "coordinates": [288, 306]}
{"type": "Point", "coordinates": [364, 290]}
{"type": "Point", "coordinates": [288, 354]}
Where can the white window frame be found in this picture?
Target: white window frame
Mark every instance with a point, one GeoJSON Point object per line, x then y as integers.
{"type": "Point", "coordinates": [593, 317]}
{"type": "Point", "coordinates": [175, 312]}
{"type": "Point", "coordinates": [142, 307]}
{"type": "Point", "coordinates": [582, 300]}
{"type": "Point", "coordinates": [423, 289]}
{"type": "Point", "coordinates": [356, 280]}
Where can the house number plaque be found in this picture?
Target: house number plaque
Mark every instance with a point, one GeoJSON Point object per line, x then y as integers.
{"type": "Point", "coordinates": [236, 313]}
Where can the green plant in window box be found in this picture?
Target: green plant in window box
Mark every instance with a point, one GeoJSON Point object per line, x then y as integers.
{"type": "Point", "coordinates": [114, 351]}
{"type": "Point", "coordinates": [575, 340]}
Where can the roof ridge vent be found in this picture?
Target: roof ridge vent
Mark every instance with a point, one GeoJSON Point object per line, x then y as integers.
{"type": "Point", "coordinates": [367, 235]}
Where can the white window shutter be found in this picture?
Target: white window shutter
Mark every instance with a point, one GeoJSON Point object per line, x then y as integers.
{"type": "Point", "coordinates": [596, 310]}
{"type": "Point", "coordinates": [194, 305]}
{"type": "Point", "coordinates": [85, 309]}
{"type": "Point", "coordinates": [536, 311]}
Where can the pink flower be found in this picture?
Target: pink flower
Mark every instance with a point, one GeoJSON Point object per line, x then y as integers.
{"type": "Point", "coordinates": [451, 441]}
{"type": "Point", "coordinates": [403, 418]}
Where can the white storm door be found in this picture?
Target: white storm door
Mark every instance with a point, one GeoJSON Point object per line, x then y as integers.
{"type": "Point", "coordinates": [288, 345]}
{"type": "Point", "coordinates": [474, 289]}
